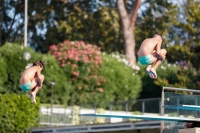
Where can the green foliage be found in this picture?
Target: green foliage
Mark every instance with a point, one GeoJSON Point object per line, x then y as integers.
{"type": "Point", "coordinates": [3, 74]}
{"type": "Point", "coordinates": [166, 75]}
{"type": "Point", "coordinates": [83, 20]}
{"type": "Point", "coordinates": [12, 57]}
{"type": "Point", "coordinates": [99, 24]}
{"type": "Point", "coordinates": [93, 79]}
{"type": "Point", "coordinates": [18, 114]}
{"type": "Point", "coordinates": [180, 75]}
{"type": "Point", "coordinates": [122, 81]}
{"type": "Point", "coordinates": [187, 44]}
{"type": "Point", "coordinates": [101, 27]}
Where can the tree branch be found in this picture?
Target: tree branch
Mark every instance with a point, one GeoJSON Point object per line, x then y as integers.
{"type": "Point", "coordinates": [123, 15]}
{"type": "Point", "coordinates": [134, 12]}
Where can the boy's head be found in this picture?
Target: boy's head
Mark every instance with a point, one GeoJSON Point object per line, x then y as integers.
{"type": "Point", "coordinates": [39, 63]}
{"type": "Point", "coordinates": [159, 35]}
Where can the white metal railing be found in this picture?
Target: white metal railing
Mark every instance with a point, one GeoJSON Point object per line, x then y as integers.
{"type": "Point", "coordinates": [69, 115]}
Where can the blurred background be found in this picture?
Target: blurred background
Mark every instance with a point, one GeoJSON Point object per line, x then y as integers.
{"type": "Point", "coordinates": [90, 47]}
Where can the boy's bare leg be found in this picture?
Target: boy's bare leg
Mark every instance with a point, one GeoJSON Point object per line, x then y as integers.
{"type": "Point", "coordinates": [148, 69]}
{"type": "Point", "coordinates": [153, 69]}
{"type": "Point", "coordinates": [36, 83]}
{"type": "Point", "coordinates": [158, 61]}
{"type": "Point", "coordinates": [33, 93]}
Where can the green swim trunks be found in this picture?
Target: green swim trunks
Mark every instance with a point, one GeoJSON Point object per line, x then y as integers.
{"type": "Point", "coordinates": [145, 60]}
{"type": "Point", "coordinates": [26, 87]}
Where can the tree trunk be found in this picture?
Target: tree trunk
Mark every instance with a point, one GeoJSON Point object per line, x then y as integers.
{"type": "Point", "coordinates": [128, 24]}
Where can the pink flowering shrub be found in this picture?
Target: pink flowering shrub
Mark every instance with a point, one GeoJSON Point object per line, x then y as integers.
{"type": "Point", "coordinates": [81, 63]}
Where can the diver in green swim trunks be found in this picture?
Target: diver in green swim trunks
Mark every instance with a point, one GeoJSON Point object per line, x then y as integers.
{"type": "Point", "coordinates": [150, 53]}
{"type": "Point", "coordinates": [32, 79]}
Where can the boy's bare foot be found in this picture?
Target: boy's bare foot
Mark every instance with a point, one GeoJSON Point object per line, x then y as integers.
{"type": "Point", "coordinates": [32, 97]}
{"type": "Point", "coordinates": [148, 69]}
{"type": "Point", "coordinates": [154, 73]}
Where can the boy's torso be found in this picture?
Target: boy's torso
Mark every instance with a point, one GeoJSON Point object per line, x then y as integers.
{"type": "Point", "coordinates": [147, 47]}
{"type": "Point", "coordinates": [28, 75]}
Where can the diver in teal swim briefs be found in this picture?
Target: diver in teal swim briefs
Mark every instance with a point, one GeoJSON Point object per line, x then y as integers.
{"type": "Point", "coordinates": [32, 79]}
{"type": "Point", "coordinates": [150, 53]}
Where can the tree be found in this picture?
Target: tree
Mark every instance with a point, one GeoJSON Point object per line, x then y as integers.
{"type": "Point", "coordinates": [11, 29]}
{"type": "Point", "coordinates": [187, 44]}
{"type": "Point", "coordinates": [128, 25]}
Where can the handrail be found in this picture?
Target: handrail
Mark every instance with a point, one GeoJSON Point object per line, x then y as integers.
{"type": "Point", "coordinates": [180, 89]}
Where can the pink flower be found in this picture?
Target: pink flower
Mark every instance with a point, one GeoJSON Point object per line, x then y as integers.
{"type": "Point", "coordinates": [96, 62]}
{"type": "Point", "coordinates": [70, 56]}
{"type": "Point", "coordinates": [59, 58]}
{"type": "Point", "coordinates": [101, 90]}
{"type": "Point", "coordinates": [77, 58]}
{"type": "Point", "coordinates": [58, 53]}
{"type": "Point", "coordinates": [55, 54]}
{"type": "Point", "coordinates": [53, 47]}
{"type": "Point", "coordinates": [62, 44]}
{"type": "Point", "coordinates": [76, 73]}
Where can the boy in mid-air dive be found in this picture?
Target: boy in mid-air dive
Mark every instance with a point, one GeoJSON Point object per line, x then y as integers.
{"type": "Point", "coordinates": [150, 52]}
{"type": "Point", "coordinates": [32, 79]}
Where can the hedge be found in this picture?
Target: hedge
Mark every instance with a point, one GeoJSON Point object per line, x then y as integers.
{"type": "Point", "coordinates": [17, 113]}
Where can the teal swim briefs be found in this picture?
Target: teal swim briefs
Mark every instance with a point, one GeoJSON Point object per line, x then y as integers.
{"type": "Point", "coordinates": [26, 87]}
{"type": "Point", "coordinates": [145, 60]}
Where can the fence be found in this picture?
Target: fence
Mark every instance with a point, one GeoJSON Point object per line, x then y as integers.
{"type": "Point", "coordinates": [59, 115]}
{"type": "Point", "coordinates": [178, 96]}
